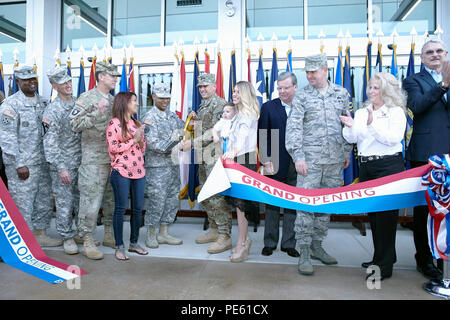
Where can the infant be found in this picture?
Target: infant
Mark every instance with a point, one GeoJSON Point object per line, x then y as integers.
{"type": "Point", "coordinates": [223, 126]}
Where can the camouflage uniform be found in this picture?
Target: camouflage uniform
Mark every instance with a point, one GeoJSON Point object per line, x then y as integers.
{"type": "Point", "coordinates": [93, 174]}
{"type": "Point", "coordinates": [218, 210]}
{"type": "Point", "coordinates": [63, 151]}
{"type": "Point", "coordinates": [314, 134]}
{"type": "Point", "coordinates": [21, 133]}
{"type": "Point", "coordinates": [162, 174]}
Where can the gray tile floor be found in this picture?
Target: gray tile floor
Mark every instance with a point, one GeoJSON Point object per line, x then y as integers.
{"type": "Point", "coordinates": [188, 272]}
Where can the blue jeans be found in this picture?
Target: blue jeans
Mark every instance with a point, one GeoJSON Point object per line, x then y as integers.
{"type": "Point", "coordinates": [122, 187]}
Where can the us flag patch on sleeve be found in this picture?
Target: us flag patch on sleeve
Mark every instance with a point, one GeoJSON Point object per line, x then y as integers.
{"type": "Point", "coordinates": [9, 113]}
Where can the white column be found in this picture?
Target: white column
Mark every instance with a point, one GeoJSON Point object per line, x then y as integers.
{"type": "Point", "coordinates": [231, 31]}
{"type": "Point", "coordinates": [442, 12]}
{"type": "Point", "coordinates": [43, 37]}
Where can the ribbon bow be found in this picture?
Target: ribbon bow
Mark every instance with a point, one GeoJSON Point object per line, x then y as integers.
{"type": "Point", "coordinates": [437, 181]}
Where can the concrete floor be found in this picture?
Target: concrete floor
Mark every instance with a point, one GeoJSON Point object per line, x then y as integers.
{"type": "Point", "coordinates": [188, 272]}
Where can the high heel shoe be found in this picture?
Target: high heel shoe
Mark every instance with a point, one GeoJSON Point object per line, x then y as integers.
{"type": "Point", "coordinates": [248, 242]}
{"type": "Point", "coordinates": [243, 255]}
{"type": "Point", "coordinates": [240, 256]}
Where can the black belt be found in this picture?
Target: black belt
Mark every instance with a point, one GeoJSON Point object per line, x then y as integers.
{"type": "Point", "coordinates": [363, 159]}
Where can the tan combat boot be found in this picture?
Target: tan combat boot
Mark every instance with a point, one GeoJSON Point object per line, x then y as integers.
{"type": "Point", "coordinates": [151, 241]}
{"type": "Point", "coordinates": [165, 237]}
{"type": "Point", "coordinates": [70, 247]}
{"type": "Point", "coordinates": [210, 236]}
{"type": "Point", "coordinates": [108, 239]}
{"type": "Point", "coordinates": [44, 240]}
{"type": "Point", "coordinates": [222, 244]}
{"type": "Point", "coordinates": [79, 240]}
{"type": "Point", "coordinates": [89, 248]}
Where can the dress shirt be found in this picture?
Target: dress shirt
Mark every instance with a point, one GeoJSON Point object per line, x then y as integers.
{"type": "Point", "coordinates": [437, 77]}
{"type": "Point", "coordinates": [287, 108]}
{"type": "Point", "coordinates": [383, 136]}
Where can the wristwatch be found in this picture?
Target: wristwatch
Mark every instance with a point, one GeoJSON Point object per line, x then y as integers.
{"type": "Point", "coordinates": [443, 87]}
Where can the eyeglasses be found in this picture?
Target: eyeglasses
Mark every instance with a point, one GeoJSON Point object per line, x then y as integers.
{"type": "Point", "coordinates": [431, 52]}
{"type": "Point", "coordinates": [284, 88]}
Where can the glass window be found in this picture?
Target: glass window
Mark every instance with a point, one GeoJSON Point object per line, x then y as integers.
{"type": "Point", "coordinates": [137, 22]}
{"type": "Point", "coordinates": [333, 16]}
{"type": "Point", "coordinates": [12, 31]}
{"type": "Point", "coordinates": [388, 14]}
{"type": "Point", "coordinates": [190, 21]}
{"type": "Point", "coordinates": [284, 18]}
{"type": "Point", "coordinates": [84, 22]}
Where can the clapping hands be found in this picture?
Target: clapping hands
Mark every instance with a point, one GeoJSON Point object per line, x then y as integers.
{"type": "Point", "coordinates": [347, 120]}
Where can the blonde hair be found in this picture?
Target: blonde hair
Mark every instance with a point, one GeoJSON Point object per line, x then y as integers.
{"type": "Point", "coordinates": [249, 103]}
{"type": "Point", "coordinates": [392, 94]}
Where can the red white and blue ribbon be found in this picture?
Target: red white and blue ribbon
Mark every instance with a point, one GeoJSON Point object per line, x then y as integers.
{"type": "Point", "coordinates": [19, 248]}
{"type": "Point", "coordinates": [401, 190]}
{"type": "Point", "coordinates": [437, 181]}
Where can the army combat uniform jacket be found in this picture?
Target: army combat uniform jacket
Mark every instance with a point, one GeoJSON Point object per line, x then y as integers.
{"type": "Point", "coordinates": [21, 130]}
{"type": "Point", "coordinates": [87, 119]}
{"type": "Point", "coordinates": [62, 145]}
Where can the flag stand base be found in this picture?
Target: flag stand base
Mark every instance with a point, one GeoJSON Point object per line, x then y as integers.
{"type": "Point", "coordinates": [440, 288]}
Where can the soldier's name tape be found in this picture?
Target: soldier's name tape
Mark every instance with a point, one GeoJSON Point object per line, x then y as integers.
{"type": "Point", "coordinates": [401, 190]}
{"type": "Point", "coordinates": [19, 248]}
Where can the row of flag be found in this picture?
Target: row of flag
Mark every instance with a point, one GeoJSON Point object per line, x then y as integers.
{"type": "Point", "coordinates": [126, 82]}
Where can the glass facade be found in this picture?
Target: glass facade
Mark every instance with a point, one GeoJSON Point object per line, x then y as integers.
{"type": "Point", "coordinates": [137, 22]}
{"type": "Point", "coordinates": [12, 31]}
{"type": "Point", "coordinates": [333, 16]}
{"type": "Point", "coordinates": [188, 22]}
{"type": "Point", "coordinates": [84, 23]}
{"type": "Point", "coordinates": [286, 17]}
{"type": "Point", "coordinates": [267, 17]}
{"type": "Point", "coordinates": [422, 17]}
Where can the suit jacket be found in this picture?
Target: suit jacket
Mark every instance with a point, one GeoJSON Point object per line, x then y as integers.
{"type": "Point", "coordinates": [431, 128]}
{"type": "Point", "coordinates": [273, 116]}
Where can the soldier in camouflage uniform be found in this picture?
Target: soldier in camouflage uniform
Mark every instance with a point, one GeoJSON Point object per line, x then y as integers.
{"type": "Point", "coordinates": [162, 129]}
{"type": "Point", "coordinates": [218, 210]}
{"type": "Point", "coordinates": [21, 141]}
{"type": "Point", "coordinates": [315, 142]}
{"type": "Point", "coordinates": [62, 148]}
{"type": "Point", "coordinates": [90, 116]}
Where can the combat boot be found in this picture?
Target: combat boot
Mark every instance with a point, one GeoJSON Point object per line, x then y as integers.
{"type": "Point", "coordinates": [151, 241]}
{"type": "Point", "coordinates": [44, 240]}
{"type": "Point", "coordinates": [108, 239]}
{"type": "Point", "coordinates": [164, 236]}
{"type": "Point", "coordinates": [89, 248]}
{"type": "Point", "coordinates": [210, 236]}
{"type": "Point", "coordinates": [79, 240]}
{"type": "Point", "coordinates": [222, 244]}
{"type": "Point", "coordinates": [318, 253]}
{"type": "Point", "coordinates": [70, 247]}
{"type": "Point", "coordinates": [304, 261]}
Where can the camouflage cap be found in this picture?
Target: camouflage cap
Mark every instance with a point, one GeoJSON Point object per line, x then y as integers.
{"type": "Point", "coordinates": [315, 62]}
{"type": "Point", "coordinates": [24, 72]}
{"type": "Point", "coordinates": [161, 90]}
{"type": "Point", "coordinates": [58, 75]}
{"type": "Point", "coordinates": [206, 79]}
{"type": "Point", "coordinates": [106, 67]}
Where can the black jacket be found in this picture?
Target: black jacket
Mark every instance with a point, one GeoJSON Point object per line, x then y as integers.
{"type": "Point", "coordinates": [431, 128]}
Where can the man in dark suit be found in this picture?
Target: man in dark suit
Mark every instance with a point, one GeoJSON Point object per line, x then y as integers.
{"type": "Point", "coordinates": [429, 102]}
{"type": "Point", "coordinates": [278, 163]}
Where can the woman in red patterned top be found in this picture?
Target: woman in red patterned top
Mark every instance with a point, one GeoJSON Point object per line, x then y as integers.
{"type": "Point", "coordinates": [126, 144]}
